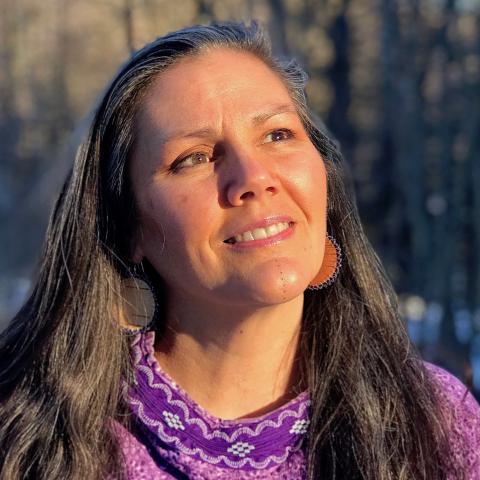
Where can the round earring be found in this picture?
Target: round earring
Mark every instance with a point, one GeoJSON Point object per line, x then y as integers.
{"type": "Point", "coordinates": [140, 306]}
{"type": "Point", "coordinates": [332, 262]}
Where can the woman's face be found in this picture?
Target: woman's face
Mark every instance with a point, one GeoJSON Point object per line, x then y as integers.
{"type": "Point", "coordinates": [230, 191]}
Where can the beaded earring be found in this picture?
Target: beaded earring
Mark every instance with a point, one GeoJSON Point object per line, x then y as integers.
{"type": "Point", "coordinates": [332, 262]}
{"type": "Point", "coordinates": [140, 306]}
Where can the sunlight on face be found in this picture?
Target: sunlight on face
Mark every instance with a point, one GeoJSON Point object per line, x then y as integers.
{"type": "Point", "coordinates": [231, 193]}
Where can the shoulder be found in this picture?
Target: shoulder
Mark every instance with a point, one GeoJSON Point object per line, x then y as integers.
{"type": "Point", "coordinates": [462, 412]}
{"type": "Point", "coordinates": [138, 462]}
{"type": "Point", "coordinates": [454, 395]}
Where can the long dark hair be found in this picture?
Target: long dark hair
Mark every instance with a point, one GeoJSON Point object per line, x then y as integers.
{"type": "Point", "coordinates": [62, 358]}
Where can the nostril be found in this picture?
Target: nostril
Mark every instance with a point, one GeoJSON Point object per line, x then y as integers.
{"type": "Point", "coordinates": [271, 189]}
{"type": "Point", "coordinates": [246, 195]}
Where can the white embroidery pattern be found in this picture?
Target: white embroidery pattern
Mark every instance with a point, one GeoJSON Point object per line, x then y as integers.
{"type": "Point", "coordinates": [241, 449]}
{"type": "Point", "coordinates": [300, 426]}
{"type": "Point", "coordinates": [173, 420]}
{"type": "Point", "coordinates": [246, 448]}
{"type": "Point", "coordinates": [203, 426]}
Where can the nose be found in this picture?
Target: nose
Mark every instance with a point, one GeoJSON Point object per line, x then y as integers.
{"type": "Point", "coordinates": [248, 177]}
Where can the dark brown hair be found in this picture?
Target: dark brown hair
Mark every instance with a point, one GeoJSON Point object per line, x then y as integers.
{"type": "Point", "coordinates": [62, 358]}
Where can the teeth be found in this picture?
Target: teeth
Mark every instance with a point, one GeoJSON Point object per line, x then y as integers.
{"type": "Point", "coordinates": [272, 230]}
{"type": "Point", "coordinates": [260, 233]}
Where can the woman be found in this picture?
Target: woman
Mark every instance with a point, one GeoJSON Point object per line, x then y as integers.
{"type": "Point", "coordinates": [204, 178]}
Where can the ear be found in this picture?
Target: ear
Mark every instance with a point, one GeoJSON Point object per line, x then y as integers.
{"type": "Point", "coordinates": [137, 248]}
{"type": "Point", "coordinates": [137, 255]}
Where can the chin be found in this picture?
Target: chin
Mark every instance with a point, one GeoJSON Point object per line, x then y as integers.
{"type": "Point", "coordinates": [278, 285]}
{"type": "Point", "coordinates": [277, 296]}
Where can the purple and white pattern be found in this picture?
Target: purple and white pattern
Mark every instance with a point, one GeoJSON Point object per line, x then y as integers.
{"type": "Point", "coordinates": [300, 426]}
{"type": "Point", "coordinates": [173, 420]}
{"type": "Point", "coordinates": [172, 416]}
{"type": "Point", "coordinates": [240, 449]}
{"type": "Point", "coordinates": [192, 430]}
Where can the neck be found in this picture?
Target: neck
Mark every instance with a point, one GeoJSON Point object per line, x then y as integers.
{"type": "Point", "coordinates": [235, 362]}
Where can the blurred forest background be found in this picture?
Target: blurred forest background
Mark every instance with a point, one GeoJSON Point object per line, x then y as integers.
{"type": "Point", "coordinates": [396, 81]}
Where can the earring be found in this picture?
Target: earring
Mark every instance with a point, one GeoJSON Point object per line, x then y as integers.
{"type": "Point", "coordinates": [332, 262]}
{"type": "Point", "coordinates": [140, 306]}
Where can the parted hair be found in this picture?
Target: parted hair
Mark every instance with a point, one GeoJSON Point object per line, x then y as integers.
{"type": "Point", "coordinates": [63, 358]}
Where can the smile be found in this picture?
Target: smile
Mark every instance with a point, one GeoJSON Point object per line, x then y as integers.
{"type": "Point", "coordinates": [260, 233]}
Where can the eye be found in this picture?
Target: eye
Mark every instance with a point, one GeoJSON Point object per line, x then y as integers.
{"type": "Point", "coordinates": [278, 135]}
{"type": "Point", "coordinates": [195, 158]}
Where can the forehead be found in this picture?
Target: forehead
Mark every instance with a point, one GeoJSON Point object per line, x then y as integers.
{"type": "Point", "coordinates": [211, 86]}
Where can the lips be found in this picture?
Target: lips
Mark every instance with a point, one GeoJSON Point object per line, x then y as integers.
{"type": "Point", "coordinates": [261, 230]}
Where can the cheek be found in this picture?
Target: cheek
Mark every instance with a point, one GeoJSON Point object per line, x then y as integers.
{"type": "Point", "coordinates": [184, 199]}
{"type": "Point", "coordinates": [319, 185]}
{"type": "Point", "coordinates": [176, 215]}
{"type": "Point", "coordinates": [317, 180]}
{"type": "Point", "coordinates": [310, 180]}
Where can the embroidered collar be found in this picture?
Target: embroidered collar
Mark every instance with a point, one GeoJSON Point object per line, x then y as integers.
{"type": "Point", "coordinates": [171, 415]}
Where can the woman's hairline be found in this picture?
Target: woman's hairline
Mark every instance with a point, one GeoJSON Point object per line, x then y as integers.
{"type": "Point", "coordinates": [273, 64]}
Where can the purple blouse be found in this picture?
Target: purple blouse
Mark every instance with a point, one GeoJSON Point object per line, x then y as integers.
{"type": "Point", "coordinates": [175, 438]}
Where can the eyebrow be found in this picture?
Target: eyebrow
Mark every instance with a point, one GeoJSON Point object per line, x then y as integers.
{"type": "Point", "coordinates": [257, 120]}
{"type": "Point", "coordinates": [260, 118]}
